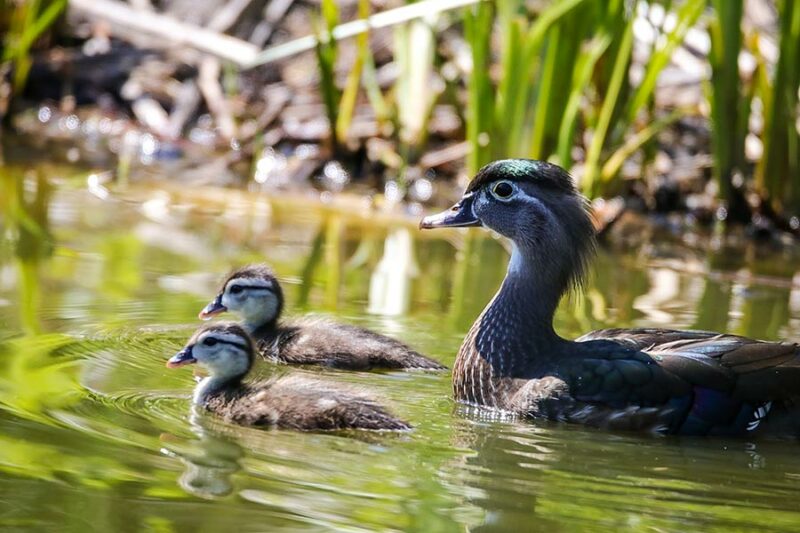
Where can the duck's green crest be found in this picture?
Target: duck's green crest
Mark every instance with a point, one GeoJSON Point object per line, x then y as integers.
{"type": "Point", "coordinates": [531, 170]}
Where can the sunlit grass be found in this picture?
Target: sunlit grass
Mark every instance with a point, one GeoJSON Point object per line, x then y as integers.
{"type": "Point", "coordinates": [563, 71]}
{"type": "Point", "coordinates": [561, 84]}
{"type": "Point", "coordinates": [779, 169]}
{"type": "Point", "coordinates": [27, 21]}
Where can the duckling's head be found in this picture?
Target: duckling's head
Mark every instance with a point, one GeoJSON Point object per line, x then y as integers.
{"type": "Point", "coordinates": [253, 292]}
{"type": "Point", "coordinates": [224, 349]}
{"type": "Point", "coordinates": [536, 205]}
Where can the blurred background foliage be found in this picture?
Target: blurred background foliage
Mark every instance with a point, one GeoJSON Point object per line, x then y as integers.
{"type": "Point", "coordinates": [603, 88]}
{"type": "Point", "coordinates": [558, 80]}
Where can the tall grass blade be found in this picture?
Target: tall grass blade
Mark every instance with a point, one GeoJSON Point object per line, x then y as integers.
{"type": "Point", "coordinates": [580, 81]}
{"type": "Point", "coordinates": [781, 164]}
{"type": "Point", "coordinates": [347, 105]}
{"type": "Point", "coordinates": [727, 142]}
{"type": "Point", "coordinates": [619, 73]}
{"type": "Point", "coordinates": [415, 54]}
{"type": "Point", "coordinates": [327, 53]}
{"type": "Point", "coordinates": [516, 88]}
{"type": "Point", "coordinates": [685, 18]}
{"type": "Point", "coordinates": [635, 142]}
{"type": "Point", "coordinates": [477, 28]}
{"type": "Point", "coordinates": [27, 25]}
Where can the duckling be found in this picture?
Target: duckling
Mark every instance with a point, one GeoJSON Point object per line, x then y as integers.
{"type": "Point", "coordinates": [254, 292]}
{"type": "Point", "coordinates": [292, 402]}
{"type": "Point", "coordinates": [665, 380]}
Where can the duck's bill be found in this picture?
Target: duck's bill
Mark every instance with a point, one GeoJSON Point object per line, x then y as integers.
{"type": "Point", "coordinates": [458, 216]}
{"type": "Point", "coordinates": [182, 358]}
{"type": "Point", "coordinates": [212, 309]}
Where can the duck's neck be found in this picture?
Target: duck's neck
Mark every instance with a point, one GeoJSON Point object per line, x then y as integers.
{"type": "Point", "coordinates": [211, 385]}
{"type": "Point", "coordinates": [513, 337]}
{"type": "Point", "coordinates": [260, 319]}
{"type": "Point", "coordinates": [261, 315]}
{"type": "Point", "coordinates": [259, 328]}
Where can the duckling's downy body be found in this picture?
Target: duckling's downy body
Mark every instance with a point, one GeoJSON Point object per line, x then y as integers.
{"type": "Point", "coordinates": [291, 402]}
{"type": "Point", "coordinates": [684, 382]}
{"type": "Point", "coordinates": [255, 293]}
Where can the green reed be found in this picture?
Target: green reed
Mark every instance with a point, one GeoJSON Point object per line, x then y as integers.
{"type": "Point", "coordinates": [408, 105]}
{"type": "Point", "coordinates": [327, 52]}
{"type": "Point", "coordinates": [563, 71]}
{"type": "Point", "coordinates": [779, 170]}
{"type": "Point", "coordinates": [25, 22]}
{"type": "Point", "coordinates": [731, 97]}
{"type": "Point", "coordinates": [564, 82]}
{"type": "Point", "coordinates": [559, 84]}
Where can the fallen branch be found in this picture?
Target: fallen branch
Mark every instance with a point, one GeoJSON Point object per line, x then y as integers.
{"type": "Point", "coordinates": [208, 82]}
{"type": "Point", "coordinates": [384, 19]}
{"type": "Point", "coordinates": [178, 33]}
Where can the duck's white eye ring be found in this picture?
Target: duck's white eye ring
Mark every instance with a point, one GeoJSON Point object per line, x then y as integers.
{"type": "Point", "coordinates": [503, 190]}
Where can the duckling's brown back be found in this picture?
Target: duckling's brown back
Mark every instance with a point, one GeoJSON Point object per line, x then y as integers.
{"type": "Point", "coordinates": [327, 343]}
{"type": "Point", "coordinates": [295, 402]}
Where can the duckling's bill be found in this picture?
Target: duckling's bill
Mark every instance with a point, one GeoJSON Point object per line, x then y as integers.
{"type": "Point", "coordinates": [212, 309]}
{"type": "Point", "coordinates": [460, 215]}
{"type": "Point", "coordinates": [182, 358]}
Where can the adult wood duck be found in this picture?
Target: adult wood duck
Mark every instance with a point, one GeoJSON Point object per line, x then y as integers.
{"type": "Point", "coordinates": [673, 381]}
{"type": "Point", "coordinates": [292, 402]}
{"type": "Point", "coordinates": [254, 292]}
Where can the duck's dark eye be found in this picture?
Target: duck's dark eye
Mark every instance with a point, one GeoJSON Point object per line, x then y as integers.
{"type": "Point", "coordinates": [236, 289]}
{"type": "Point", "coordinates": [209, 341]}
{"type": "Point", "coordinates": [502, 190]}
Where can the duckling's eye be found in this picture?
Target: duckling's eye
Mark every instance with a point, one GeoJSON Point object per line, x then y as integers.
{"type": "Point", "coordinates": [502, 190]}
{"type": "Point", "coordinates": [209, 341]}
{"type": "Point", "coordinates": [236, 289]}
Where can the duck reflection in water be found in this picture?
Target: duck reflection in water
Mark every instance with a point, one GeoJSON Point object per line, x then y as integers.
{"type": "Point", "coordinates": [519, 476]}
{"type": "Point", "coordinates": [209, 463]}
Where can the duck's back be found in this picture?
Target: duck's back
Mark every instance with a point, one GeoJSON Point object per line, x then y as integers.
{"type": "Point", "coordinates": [320, 341]}
{"type": "Point", "coordinates": [295, 402]}
{"type": "Point", "coordinates": [750, 369]}
{"type": "Point", "coordinates": [710, 383]}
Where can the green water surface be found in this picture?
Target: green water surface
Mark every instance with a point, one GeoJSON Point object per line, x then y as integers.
{"type": "Point", "coordinates": [99, 286]}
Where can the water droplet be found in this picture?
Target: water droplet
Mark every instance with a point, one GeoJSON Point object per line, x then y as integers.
{"type": "Point", "coordinates": [45, 114]}
{"type": "Point", "coordinates": [334, 176]}
{"type": "Point", "coordinates": [270, 169]}
{"type": "Point", "coordinates": [392, 192]}
{"type": "Point", "coordinates": [422, 190]}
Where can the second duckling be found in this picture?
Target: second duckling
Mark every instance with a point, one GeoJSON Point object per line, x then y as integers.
{"type": "Point", "coordinates": [254, 293]}
{"type": "Point", "coordinates": [227, 352]}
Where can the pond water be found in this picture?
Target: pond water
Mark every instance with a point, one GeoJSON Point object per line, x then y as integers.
{"type": "Point", "coordinates": [99, 286]}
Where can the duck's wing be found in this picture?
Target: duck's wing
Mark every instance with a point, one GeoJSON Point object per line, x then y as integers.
{"type": "Point", "coordinates": [753, 370]}
{"type": "Point", "coordinates": [750, 368]}
{"type": "Point", "coordinates": [641, 338]}
{"type": "Point", "coordinates": [715, 383]}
